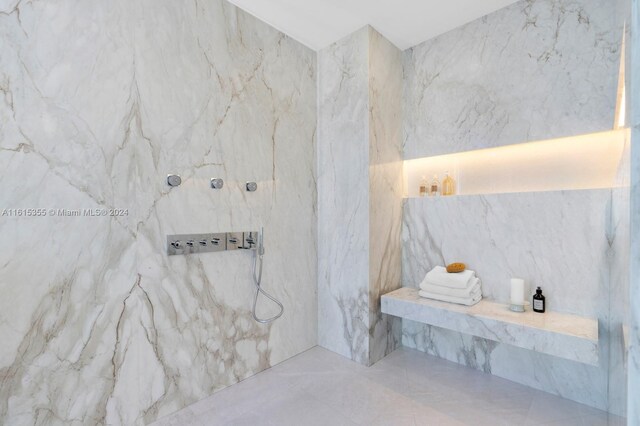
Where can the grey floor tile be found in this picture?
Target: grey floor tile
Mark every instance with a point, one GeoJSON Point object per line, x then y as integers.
{"type": "Point", "coordinates": [408, 388]}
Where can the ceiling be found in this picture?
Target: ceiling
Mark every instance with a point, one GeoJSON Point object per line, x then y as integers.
{"type": "Point", "coordinates": [318, 23]}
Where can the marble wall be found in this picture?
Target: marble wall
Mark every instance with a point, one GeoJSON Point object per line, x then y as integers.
{"type": "Point", "coordinates": [385, 190]}
{"type": "Point", "coordinates": [99, 102]}
{"type": "Point", "coordinates": [535, 70]}
{"type": "Point", "coordinates": [557, 240]}
{"type": "Point", "coordinates": [343, 197]}
{"type": "Point", "coordinates": [538, 69]}
{"type": "Point", "coordinates": [634, 299]}
{"type": "Point", "coordinates": [359, 194]}
{"type": "Point", "coordinates": [616, 317]}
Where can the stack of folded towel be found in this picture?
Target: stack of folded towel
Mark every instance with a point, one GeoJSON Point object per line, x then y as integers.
{"type": "Point", "coordinates": [463, 288]}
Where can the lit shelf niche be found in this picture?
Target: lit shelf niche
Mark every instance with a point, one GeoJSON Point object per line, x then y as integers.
{"type": "Point", "coordinates": [591, 161]}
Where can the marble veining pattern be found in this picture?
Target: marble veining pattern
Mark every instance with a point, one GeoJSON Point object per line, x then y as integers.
{"type": "Point", "coordinates": [343, 197]}
{"type": "Point", "coordinates": [536, 70]}
{"type": "Point", "coordinates": [566, 336]}
{"type": "Point", "coordinates": [99, 102]}
{"type": "Point", "coordinates": [579, 382]}
{"type": "Point", "coordinates": [503, 79]}
{"type": "Point", "coordinates": [385, 190]}
{"type": "Point", "coordinates": [558, 240]}
{"type": "Point", "coordinates": [359, 194]}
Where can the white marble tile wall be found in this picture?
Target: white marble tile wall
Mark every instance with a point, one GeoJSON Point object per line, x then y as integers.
{"type": "Point", "coordinates": [560, 241]}
{"type": "Point", "coordinates": [535, 70]}
{"type": "Point", "coordinates": [634, 292]}
{"type": "Point", "coordinates": [556, 240]}
{"type": "Point", "coordinates": [343, 197]}
{"type": "Point", "coordinates": [583, 383]}
{"type": "Point", "coordinates": [385, 190]}
{"type": "Point", "coordinates": [100, 101]}
{"type": "Point", "coordinates": [617, 315]}
{"type": "Point", "coordinates": [359, 193]}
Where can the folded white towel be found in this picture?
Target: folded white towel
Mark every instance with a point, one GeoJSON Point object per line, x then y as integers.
{"type": "Point", "coordinates": [470, 301]}
{"type": "Point", "coordinates": [440, 276]}
{"type": "Point", "coordinates": [476, 286]}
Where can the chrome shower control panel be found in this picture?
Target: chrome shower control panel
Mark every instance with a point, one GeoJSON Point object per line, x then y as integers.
{"type": "Point", "coordinates": [204, 243]}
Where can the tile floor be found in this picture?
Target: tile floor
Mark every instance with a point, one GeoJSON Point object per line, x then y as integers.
{"type": "Point", "coordinates": [408, 387]}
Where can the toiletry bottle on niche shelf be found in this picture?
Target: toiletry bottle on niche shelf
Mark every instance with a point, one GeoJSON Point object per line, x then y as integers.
{"type": "Point", "coordinates": [539, 303]}
{"type": "Point", "coordinates": [434, 190]}
{"type": "Point", "coordinates": [448, 185]}
{"type": "Point", "coordinates": [423, 186]}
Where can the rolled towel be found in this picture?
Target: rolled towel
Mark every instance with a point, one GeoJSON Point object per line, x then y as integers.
{"type": "Point", "coordinates": [469, 301]}
{"type": "Point", "coordinates": [425, 283]}
{"type": "Point", "coordinates": [476, 286]}
{"type": "Point", "coordinates": [440, 276]}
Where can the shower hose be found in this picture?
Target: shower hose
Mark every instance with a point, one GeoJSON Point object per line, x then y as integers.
{"type": "Point", "coordinates": [257, 280]}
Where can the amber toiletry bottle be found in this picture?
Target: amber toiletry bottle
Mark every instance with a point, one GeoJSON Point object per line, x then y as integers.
{"type": "Point", "coordinates": [434, 191]}
{"type": "Point", "coordinates": [538, 301]}
{"type": "Point", "coordinates": [448, 185]}
{"type": "Point", "coordinates": [423, 186]}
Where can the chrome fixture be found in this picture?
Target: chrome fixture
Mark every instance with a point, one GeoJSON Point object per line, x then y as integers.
{"type": "Point", "coordinates": [251, 186]}
{"type": "Point", "coordinates": [196, 243]}
{"type": "Point", "coordinates": [217, 183]}
{"type": "Point", "coordinates": [219, 242]}
{"type": "Point", "coordinates": [202, 243]}
{"type": "Point", "coordinates": [174, 180]}
{"type": "Point", "coordinates": [235, 241]}
{"type": "Point", "coordinates": [257, 280]}
{"type": "Point", "coordinates": [251, 240]}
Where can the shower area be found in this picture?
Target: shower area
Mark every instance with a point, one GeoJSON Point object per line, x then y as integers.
{"type": "Point", "coordinates": [191, 197]}
{"type": "Point", "coordinates": [100, 102]}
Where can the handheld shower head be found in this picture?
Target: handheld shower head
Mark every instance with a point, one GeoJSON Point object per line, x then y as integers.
{"type": "Point", "coordinates": [257, 280]}
{"type": "Point", "coordinates": [261, 241]}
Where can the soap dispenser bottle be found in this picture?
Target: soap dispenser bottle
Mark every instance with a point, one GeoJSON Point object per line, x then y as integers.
{"type": "Point", "coordinates": [448, 185]}
{"type": "Point", "coordinates": [423, 186]}
{"type": "Point", "coordinates": [434, 191]}
{"type": "Point", "coordinates": [538, 301]}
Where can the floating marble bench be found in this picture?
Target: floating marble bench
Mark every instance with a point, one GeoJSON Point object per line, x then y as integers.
{"type": "Point", "coordinates": [562, 335]}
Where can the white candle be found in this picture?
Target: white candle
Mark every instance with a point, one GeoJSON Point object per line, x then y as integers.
{"type": "Point", "coordinates": [517, 291]}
